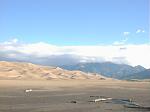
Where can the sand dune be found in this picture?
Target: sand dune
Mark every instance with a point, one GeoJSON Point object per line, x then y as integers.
{"type": "Point", "coordinates": [29, 71]}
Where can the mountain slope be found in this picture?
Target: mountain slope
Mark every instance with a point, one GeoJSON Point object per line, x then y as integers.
{"type": "Point", "coordinates": [28, 71]}
{"type": "Point", "coordinates": [140, 75]}
{"type": "Point", "coordinates": [107, 69]}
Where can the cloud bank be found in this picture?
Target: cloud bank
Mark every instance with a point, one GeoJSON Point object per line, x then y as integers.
{"type": "Point", "coordinates": [47, 54]}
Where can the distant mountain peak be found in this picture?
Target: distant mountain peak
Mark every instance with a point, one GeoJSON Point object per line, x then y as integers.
{"type": "Point", "coordinates": [139, 66]}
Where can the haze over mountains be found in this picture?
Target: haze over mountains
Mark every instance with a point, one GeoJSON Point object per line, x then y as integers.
{"type": "Point", "coordinates": [109, 69]}
{"type": "Point", "coordinates": [28, 71]}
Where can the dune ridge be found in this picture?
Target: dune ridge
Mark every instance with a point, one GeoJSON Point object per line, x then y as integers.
{"type": "Point", "coordinates": [29, 71]}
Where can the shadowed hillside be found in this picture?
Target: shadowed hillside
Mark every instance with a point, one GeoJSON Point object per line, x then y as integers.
{"type": "Point", "coordinates": [140, 75]}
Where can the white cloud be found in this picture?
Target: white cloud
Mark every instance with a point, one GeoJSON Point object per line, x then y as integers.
{"type": "Point", "coordinates": [13, 41]}
{"type": "Point", "coordinates": [126, 33]}
{"type": "Point", "coordinates": [44, 53]}
{"type": "Point", "coordinates": [122, 42]}
{"type": "Point", "coordinates": [118, 43]}
{"type": "Point", "coordinates": [140, 31]}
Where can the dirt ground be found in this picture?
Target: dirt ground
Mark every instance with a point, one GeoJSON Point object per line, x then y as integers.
{"type": "Point", "coordinates": [71, 95]}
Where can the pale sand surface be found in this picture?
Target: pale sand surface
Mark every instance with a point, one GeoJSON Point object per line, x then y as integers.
{"type": "Point", "coordinates": [56, 95]}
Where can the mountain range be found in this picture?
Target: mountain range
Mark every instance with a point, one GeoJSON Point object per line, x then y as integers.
{"type": "Point", "coordinates": [140, 75]}
{"type": "Point", "coordinates": [105, 71]}
{"type": "Point", "coordinates": [109, 69]}
{"type": "Point", "coordinates": [29, 71]}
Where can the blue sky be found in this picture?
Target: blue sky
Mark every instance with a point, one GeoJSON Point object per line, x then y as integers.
{"type": "Point", "coordinates": [75, 22]}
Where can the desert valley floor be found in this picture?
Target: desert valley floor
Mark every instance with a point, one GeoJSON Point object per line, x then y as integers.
{"type": "Point", "coordinates": [71, 95]}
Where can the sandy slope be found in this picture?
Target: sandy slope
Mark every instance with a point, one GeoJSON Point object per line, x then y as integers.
{"type": "Point", "coordinates": [28, 71]}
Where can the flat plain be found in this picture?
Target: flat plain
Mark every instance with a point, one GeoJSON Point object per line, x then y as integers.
{"type": "Point", "coordinates": [71, 95]}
